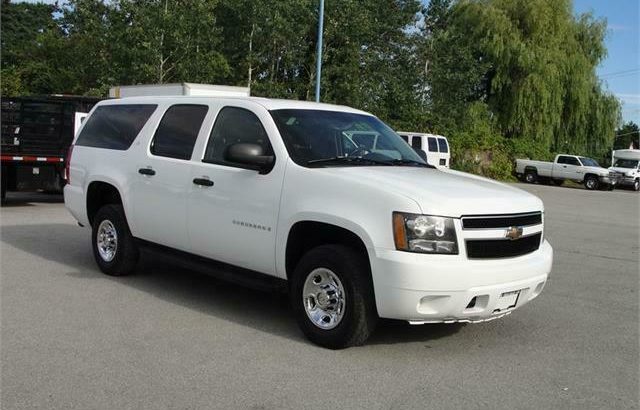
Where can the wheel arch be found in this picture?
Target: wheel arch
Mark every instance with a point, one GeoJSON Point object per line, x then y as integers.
{"type": "Point", "coordinates": [100, 193]}
{"type": "Point", "coordinates": [305, 235]}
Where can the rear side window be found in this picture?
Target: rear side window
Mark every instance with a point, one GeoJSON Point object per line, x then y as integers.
{"type": "Point", "coordinates": [115, 126]}
{"type": "Point", "coordinates": [178, 130]}
{"type": "Point", "coordinates": [433, 145]}
{"type": "Point", "coordinates": [562, 160]}
{"type": "Point", "coordinates": [442, 144]}
{"type": "Point", "coordinates": [416, 142]}
{"type": "Point", "coordinates": [405, 138]}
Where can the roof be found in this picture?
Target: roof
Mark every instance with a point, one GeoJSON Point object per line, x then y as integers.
{"type": "Point", "coordinates": [268, 103]}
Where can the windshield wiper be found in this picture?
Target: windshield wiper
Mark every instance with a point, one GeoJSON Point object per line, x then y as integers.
{"type": "Point", "coordinates": [347, 160]}
{"type": "Point", "coordinates": [411, 163]}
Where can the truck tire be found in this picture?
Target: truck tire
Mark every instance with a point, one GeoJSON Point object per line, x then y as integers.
{"type": "Point", "coordinates": [591, 182]}
{"type": "Point", "coordinates": [531, 176]}
{"type": "Point", "coordinates": [331, 294]}
{"type": "Point", "coordinates": [114, 248]}
{"type": "Point", "coordinates": [636, 185]}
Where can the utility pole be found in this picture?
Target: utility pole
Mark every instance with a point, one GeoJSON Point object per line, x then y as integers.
{"type": "Point", "coordinates": [319, 56]}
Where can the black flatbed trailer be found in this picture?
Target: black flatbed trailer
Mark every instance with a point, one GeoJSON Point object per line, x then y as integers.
{"type": "Point", "coordinates": [36, 133]}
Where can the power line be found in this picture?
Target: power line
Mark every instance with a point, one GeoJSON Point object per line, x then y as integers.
{"type": "Point", "coordinates": [621, 73]}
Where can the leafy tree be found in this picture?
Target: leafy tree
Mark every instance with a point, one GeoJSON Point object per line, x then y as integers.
{"type": "Point", "coordinates": [628, 135]}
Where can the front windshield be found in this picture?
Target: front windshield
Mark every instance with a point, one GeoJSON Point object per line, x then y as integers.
{"type": "Point", "coordinates": [333, 138]}
{"type": "Point", "coordinates": [626, 163]}
{"type": "Point", "coordinates": [588, 162]}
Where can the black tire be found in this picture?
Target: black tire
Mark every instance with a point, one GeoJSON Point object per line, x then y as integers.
{"type": "Point", "coordinates": [557, 182]}
{"type": "Point", "coordinates": [636, 185]}
{"type": "Point", "coordinates": [126, 253]}
{"type": "Point", "coordinates": [360, 315]}
{"type": "Point", "coordinates": [611, 187]}
{"type": "Point", "coordinates": [531, 177]}
{"type": "Point", "coordinates": [591, 182]}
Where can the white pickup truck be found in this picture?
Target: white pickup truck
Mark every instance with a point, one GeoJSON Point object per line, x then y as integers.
{"type": "Point", "coordinates": [572, 167]}
{"type": "Point", "coordinates": [278, 192]}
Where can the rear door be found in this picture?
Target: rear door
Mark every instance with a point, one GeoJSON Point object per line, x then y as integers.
{"type": "Point", "coordinates": [163, 177]}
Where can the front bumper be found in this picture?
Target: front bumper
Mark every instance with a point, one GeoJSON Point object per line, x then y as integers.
{"type": "Point", "coordinates": [610, 179]}
{"type": "Point", "coordinates": [440, 288]}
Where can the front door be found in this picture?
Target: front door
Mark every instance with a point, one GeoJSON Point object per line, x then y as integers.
{"type": "Point", "coordinates": [233, 219]}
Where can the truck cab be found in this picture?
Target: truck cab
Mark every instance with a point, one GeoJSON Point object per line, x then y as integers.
{"type": "Point", "coordinates": [626, 163]}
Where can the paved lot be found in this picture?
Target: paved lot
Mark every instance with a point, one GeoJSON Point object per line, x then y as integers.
{"type": "Point", "coordinates": [72, 338]}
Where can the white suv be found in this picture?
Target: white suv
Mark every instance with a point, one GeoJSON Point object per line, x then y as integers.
{"type": "Point", "coordinates": [261, 188]}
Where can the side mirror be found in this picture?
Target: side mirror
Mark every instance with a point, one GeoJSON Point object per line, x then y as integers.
{"type": "Point", "coordinates": [250, 155]}
{"type": "Point", "coordinates": [421, 153]}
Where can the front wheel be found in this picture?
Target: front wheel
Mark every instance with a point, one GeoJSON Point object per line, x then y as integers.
{"type": "Point", "coordinates": [636, 185]}
{"type": "Point", "coordinates": [591, 182]}
{"type": "Point", "coordinates": [332, 297]}
{"type": "Point", "coordinates": [114, 248]}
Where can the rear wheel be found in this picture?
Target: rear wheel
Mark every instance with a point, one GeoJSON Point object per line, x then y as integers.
{"type": "Point", "coordinates": [591, 182]}
{"type": "Point", "coordinates": [531, 177]}
{"type": "Point", "coordinates": [332, 297]}
{"type": "Point", "coordinates": [114, 248]}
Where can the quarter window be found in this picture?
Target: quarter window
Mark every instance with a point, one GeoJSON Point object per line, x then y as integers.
{"type": "Point", "coordinates": [416, 142]}
{"type": "Point", "coordinates": [433, 145]}
{"type": "Point", "coordinates": [235, 125]}
{"type": "Point", "coordinates": [178, 130]}
{"type": "Point", "coordinates": [115, 126]}
{"type": "Point", "coordinates": [442, 144]}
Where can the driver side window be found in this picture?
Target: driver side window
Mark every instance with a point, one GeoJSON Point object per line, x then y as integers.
{"type": "Point", "coordinates": [235, 125]}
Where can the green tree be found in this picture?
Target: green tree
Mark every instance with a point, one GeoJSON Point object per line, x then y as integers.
{"type": "Point", "coordinates": [627, 136]}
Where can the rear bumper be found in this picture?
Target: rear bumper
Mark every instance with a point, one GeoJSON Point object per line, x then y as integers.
{"type": "Point", "coordinates": [432, 289]}
{"type": "Point", "coordinates": [74, 201]}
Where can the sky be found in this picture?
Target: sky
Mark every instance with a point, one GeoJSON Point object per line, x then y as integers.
{"type": "Point", "coordinates": [620, 71]}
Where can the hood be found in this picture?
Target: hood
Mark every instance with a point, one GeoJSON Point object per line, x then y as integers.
{"type": "Point", "coordinates": [443, 192]}
{"type": "Point", "coordinates": [626, 171]}
{"type": "Point", "coordinates": [595, 170]}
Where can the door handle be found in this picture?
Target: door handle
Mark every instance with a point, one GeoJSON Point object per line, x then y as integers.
{"type": "Point", "coordinates": [146, 171]}
{"type": "Point", "coordinates": [203, 182]}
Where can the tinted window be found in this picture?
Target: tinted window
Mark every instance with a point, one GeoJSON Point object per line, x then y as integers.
{"type": "Point", "coordinates": [235, 125]}
{"type": "Point", "coordinates": [572, 161]}
{"type": "Point", "coordinates": [405, 138]}
{"type": "Point", "coordinates": [115, 126]}
{"type": "Point", "coordinates": [416, 142]}
{"type": "Point", "coordinates": [562, 160]}
{"type": "Point", "coordinates": [433, 145]}
{"type": "Point", "coordinates": [442, 144]}
{"type": "Point", "coordinates": [178, 130]}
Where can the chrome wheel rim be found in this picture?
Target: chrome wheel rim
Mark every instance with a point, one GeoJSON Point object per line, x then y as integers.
{"type": "Point", "coordinates": [591, 183]}
{"type": "Point", "coordinates": [324, 298]}
{"type": "Point", "coordinates": [529, 177]}
{"type": "Point", "coordinates": [107, 240]}
{"type": "Point", "coordinates": [636, 185]}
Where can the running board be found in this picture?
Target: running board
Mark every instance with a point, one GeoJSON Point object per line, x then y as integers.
{"type": "Point", "coordinates": [219, 270]}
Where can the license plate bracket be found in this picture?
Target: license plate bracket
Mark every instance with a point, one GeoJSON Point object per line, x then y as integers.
{"type": "Point", "coordinates": [508, 300]}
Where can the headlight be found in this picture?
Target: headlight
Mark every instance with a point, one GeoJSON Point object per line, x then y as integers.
{"type": "Point", "coordinates": [424, 233]}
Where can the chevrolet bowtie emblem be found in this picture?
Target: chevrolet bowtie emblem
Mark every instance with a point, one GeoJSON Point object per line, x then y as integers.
{"type": "Point", "coordinates": [513, 233]}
